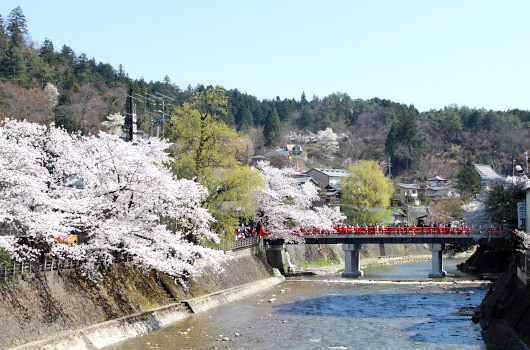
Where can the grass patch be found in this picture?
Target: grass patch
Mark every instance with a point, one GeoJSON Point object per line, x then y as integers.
{"type": "Point", "coordinates": [5, 258]}
{"type": "Point", "coordinates": [319, 263]}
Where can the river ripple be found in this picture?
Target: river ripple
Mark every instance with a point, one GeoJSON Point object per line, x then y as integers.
{"type": "Point", "coordinates": [393, 307]}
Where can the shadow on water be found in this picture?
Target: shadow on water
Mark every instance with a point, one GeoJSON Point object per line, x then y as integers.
{"type": "Point", "coordinates": [424, 310]}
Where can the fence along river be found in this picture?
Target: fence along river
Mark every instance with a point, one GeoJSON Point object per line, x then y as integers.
{"type": "Point", "coordinates": [392, 307]}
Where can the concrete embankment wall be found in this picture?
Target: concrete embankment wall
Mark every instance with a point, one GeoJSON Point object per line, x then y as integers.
{"type": "Point", "coordinates": [505, 313]}
{"type": "Point", "coordinates": [69, 311]}
{"type": "Point", "coordinates": [311, 253]}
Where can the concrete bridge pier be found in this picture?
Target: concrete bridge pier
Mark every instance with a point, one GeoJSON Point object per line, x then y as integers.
{"type": "Point", "coordinates": [352, 260]}
{"type": "Point", "coordinates": [274, 256]}
{"type": "Point", "coordinates": [437, 262]}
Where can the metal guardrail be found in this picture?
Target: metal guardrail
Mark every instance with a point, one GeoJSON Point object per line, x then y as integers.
{"type": "Point", "coordinates": [438, 230]}
{"type": "Point", "coordinates": [14, 269]}
{"type": "Point", "coordinates": [240, 243]}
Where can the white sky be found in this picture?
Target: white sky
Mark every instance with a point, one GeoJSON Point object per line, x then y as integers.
{"type": "Point", "coordinates": [472, 53]}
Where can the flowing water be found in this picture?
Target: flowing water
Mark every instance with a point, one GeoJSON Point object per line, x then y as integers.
{"type": "Point", "coordinates": [392, 307]}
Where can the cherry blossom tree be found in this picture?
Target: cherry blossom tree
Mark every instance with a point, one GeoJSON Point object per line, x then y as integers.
{"type": "Point", "coordinates": [328, 140]}
{"type": "Point", "coordinates": [24, 182]}
{"type": "Point", "coordinates": [286, 205]}
{"type": "Point", "coordinates": [118, 197]}
{"type": "Point", "coordinates": [478, 212]}
{"type": "Point", "coordinates": [114, 123]}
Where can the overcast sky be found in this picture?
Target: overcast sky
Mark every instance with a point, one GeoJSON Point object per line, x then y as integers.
{"type": "Point", "coordinates": [427, 53]}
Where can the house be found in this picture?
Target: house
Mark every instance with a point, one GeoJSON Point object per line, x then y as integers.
{"type": "Point", "coordinates": [294, 150]}
{"type": "Point", "coordinates": [437, 181]}
{"type": "Point", "coordinates": [398, 219]}
{"type": "Point", "coordinates": [256, 159]}
{"type": "Point", "coordinates": [278, 153]}
{"type": "Point", "coordinates": [327, 176]}
{"type": "Point", "coordinates": [331, 194]}
{"type": "Point", "coordinates": [280, 159]}
{"type": "Point", "coordinates": [416, 215]}
{"type": "Point", "coordinates": [488, 175]}
{"type": "Point", "coordinates": [302, 179]}
{"type": "Point", "coordinates": [408, 193]}
{"type": "Point", "coordinates": [440, 192]}
{"type": "Point", "coordinates": [437, 188]}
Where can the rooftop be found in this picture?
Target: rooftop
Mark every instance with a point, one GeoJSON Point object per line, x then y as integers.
{"type": "Point", "coordinates": [487, 172]}
{"type": "Point", "coordinates": [333, 172]}
{"type": "Point", "coordinates": [409, 186]}
{"type": "Point", "coordinates": [436, 178]}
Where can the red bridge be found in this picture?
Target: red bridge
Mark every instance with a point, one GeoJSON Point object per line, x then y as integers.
{"type": "Point", "coordinates": [352, 239]}
{"type": "Point", "coordinates": [439, 230]}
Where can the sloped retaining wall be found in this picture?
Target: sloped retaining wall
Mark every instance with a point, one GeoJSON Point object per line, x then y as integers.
{"type": "Point", "coordinates": [114, 331]}
{"type": "Point", "coordinates": [505, 313]}
{"type": "Point", "coordinates": [71, 312]}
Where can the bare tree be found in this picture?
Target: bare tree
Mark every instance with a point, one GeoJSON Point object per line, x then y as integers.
{"type": "Point", "coordinates": [88, 107]}
{"type": "Point", "coordinates": [23, 104]}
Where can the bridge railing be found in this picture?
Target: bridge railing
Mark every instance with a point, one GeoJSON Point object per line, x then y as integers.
{"type": "Point", "coordinates": [344, 230]}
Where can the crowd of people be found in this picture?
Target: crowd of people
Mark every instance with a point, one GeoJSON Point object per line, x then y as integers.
{"type": "Point", "coordinates": [244, 231]}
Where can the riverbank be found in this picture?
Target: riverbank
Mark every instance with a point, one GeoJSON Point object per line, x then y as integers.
{"type": "Point", "coordinates": [505, 313]}
{"type": "Point", "coordinates": [54, 306]}
{"type": "Point", "coordinates": [337, 313]}
{"type": "Point", "coordinates": [111, 332]}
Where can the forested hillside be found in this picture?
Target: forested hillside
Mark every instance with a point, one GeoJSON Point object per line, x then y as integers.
{"type": "Point", "coordinates": [41, 83]}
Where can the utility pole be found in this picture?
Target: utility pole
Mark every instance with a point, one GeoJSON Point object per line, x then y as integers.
{"type": "Point", "coordinates": [158, 98]}
{"type": "Point", "coordinates": [526, 157]}
{"type": "Point", "coordinates": [130, 118]}
{"type": "Point", "coordinates": [389, 168]}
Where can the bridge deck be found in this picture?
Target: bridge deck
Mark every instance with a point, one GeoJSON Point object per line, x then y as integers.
{"type": "Point", "coordinates": [374, 235]}
{"type": "Point", "coordinates": [390, 239]}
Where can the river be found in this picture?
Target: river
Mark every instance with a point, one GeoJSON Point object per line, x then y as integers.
{"type": "Point", "coordinates": [392, 307]}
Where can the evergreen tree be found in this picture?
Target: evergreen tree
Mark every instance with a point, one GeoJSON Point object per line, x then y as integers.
{"type": "Point", "coordinates": [37, 68]}
{"type": "Point", "coordinates": [82, 69]}
{"type": "Point", "coordinates": [305, 121]}
{"type": "Point", "coordinates": [121, 71]}
{"type": "Point", "coordinates": [4, 42]}
{"type": "Point", "coordinates": [273, 128]}
{"type": "Point", "coordinates": [65, 114]}
{"type": "Point", "coordinates": [67, 57]}
{"type": "Point", "coordinates": [246, 118]}
{"type": "Point", "coordinates": [13, 66]}
{"type": "Point", "coordinates": [403, 138]}
{"type": "Point", "coordinates": [303, 101]}
{"type": "Point", "coordinates": [469, 183]}
{"type": "Point", "coordinates": [474, 121]}
{"type": "Point", "coordinates": [69, 82]}
{"type": "Point", "coordinates": [17, 27]}
{"type": "Point", "coordinates": [47, 52]}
